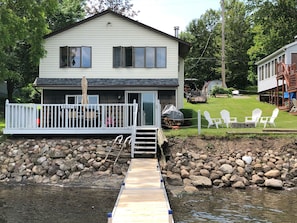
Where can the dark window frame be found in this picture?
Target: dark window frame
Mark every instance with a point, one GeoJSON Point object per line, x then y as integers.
{"type": "Point", "coordinates": [126, 57]}
{"type": "Point", "coordinates": [67, 62]}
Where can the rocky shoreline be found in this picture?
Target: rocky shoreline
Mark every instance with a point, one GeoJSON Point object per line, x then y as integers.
{"type": "Point", "coordinates": [190, 163]}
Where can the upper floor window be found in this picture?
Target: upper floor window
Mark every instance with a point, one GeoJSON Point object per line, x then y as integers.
{"type": "Point", "coordinates": [75, 56]}
{"type": "Point", "coordinates": [139, 57]}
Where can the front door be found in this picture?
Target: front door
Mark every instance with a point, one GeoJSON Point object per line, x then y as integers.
{"type": "Point", "coordinates": [146, 106]}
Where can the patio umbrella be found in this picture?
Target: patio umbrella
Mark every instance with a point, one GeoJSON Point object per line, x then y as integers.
{"type": "Point", "coordinates": [84, 90]}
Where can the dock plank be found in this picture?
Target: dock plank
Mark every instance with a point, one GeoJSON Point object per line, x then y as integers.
{"type": "Point", "coordinates": [143, 197]}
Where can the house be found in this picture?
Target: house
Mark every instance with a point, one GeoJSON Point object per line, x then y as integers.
{"type": "Point", "coordinates": [122, 60]}
{"type": "Point", "coordinates": [132, 72]}
{"type": "Point", "coordinates": [277, 76]}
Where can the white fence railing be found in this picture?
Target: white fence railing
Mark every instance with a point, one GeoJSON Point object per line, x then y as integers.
{"type": "Point", "coordinates": [68, 116]}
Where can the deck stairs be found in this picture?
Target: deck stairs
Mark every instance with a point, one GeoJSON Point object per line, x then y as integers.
{"type": "Point", "coordinates": [144, 142]}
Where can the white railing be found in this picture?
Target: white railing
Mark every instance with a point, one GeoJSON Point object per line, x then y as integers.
{"type": "Point", "coordinates": [68, 117]}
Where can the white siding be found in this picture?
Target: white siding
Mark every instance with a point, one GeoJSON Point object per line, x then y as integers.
{"type": "Point", "coordinates": [266, 71]}
{"type": "Point", "coordinates": [102, 34]}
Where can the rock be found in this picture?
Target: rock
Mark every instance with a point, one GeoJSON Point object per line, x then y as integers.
{"type": "Point", "coordinates": [52, 170]}
{"type": "Point", "coordinates": [293, 172]}
{"type": "Point", "coordinates": [38, 170]}
{"type": "Point", "coordinates": [226, 168]}
{"type": "Point", "coordinates": [40, 160]}
{"type": "Point", "coordinates": [240, 171]}
{"type": "Point", "coordinates": [184, 174]}
{"type": "Point", "coordinates": [272, 174]}
{"type": "Point", "coordinates": [174, 180]}
{"type": "Point", "coordinates": [240, 162]}
{"type": "Point", "coordinates": [238, 184]}
{"type": "Point", "coordinates": [247, 159]}
{"type": "Point", "coordinates": [190, 189]}
{"type": "Point", "coordinates": [257, 179]}
{"type": "Point", "coordinates": [203, 156]}
{"type": "Point", "coordinates": [258, 167]}
{"type": "Point", "coordinates": [56, 154]}
{"type": "Point", "coordinates": [274, 183]}
{"type": "Point", "coordinates": [204, 172]}
{"type": "Point", "coordinates": [74, 176]}
{"type": "Point", "coordinates": [216, 175]}
{"type": "Point", "coordinates": [201, 181]}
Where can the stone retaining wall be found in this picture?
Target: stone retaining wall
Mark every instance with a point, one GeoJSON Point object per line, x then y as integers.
{"type": "Point", "coordinates": [188, 165]}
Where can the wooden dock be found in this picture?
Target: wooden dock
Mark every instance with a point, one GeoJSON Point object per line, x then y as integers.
{"type": "Point", "coordinates": [142, 197]}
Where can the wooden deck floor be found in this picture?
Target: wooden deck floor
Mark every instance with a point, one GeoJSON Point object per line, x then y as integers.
{"type": "Point", "coordinates": [143, 197]}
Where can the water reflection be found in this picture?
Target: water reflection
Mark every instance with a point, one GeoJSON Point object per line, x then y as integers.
{"type": "Point", "coordinates": [229, 205]}
{"type": "Point", "coordinates": [36, 204]}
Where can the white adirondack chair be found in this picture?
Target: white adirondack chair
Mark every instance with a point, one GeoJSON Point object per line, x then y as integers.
{"type": "Point", "coordinates": [255, 118]}
{"type": "Point", "coordinates": [212, 121]}
{"type": "Point", "coordinates": [227, 118]}
{"type": "Point", "coordinates": [269, 120]}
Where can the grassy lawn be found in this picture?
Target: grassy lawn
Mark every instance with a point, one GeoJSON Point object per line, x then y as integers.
{"type": "Point", "coordinates": [239, 106]}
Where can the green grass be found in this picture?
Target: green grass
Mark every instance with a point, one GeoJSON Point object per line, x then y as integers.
{"type": "Point", "coordinates": [238, 107]}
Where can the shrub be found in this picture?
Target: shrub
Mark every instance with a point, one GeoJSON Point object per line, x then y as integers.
{"type": "Point", "coordinates": [221, 90]}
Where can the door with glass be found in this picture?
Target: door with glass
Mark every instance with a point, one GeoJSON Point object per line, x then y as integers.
{"type": "Point", "coordinates": [146, 106]}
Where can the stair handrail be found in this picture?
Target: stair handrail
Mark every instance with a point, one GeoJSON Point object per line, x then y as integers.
{"type": "Point", "coordinates": [283, 69]}
{"type": "Point", "coordinates": [134, 125]}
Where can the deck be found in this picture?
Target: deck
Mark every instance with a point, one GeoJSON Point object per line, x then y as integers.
{"type": "Point", "coordinates": [142, 197]}
{"type": "Point", "coordinates": [69, 118]}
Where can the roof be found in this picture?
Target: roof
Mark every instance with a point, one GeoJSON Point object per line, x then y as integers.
{"type": "Point", "coordinates": [184, 46]}
{"type": "Point", "coordinates": [105, 82]}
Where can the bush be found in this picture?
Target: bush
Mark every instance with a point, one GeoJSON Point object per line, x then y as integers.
{"type": "Point", "coordinates": [221, 90]}
{"type": "Point", "coordinates": [27, 94]}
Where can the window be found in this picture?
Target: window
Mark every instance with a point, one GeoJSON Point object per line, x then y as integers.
{"type": "Point", "coordinates": [75, 57]}
{"type": "Point", "coordinates": [76, 99]}
{"type": "Point", "coordinates": [139, 57]}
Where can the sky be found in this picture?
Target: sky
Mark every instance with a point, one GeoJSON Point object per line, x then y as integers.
{"type": "Point", "coordinates": [164, 15]}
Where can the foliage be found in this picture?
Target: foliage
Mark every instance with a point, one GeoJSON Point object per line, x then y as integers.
{"type": "Point", "coordinates": [221, 90]}
{"type": "Point", "coordinates": [202, 61]}
{"type": "Point", "coordinates": [238, 41]}
{"type": "Point", "coordinates": [123, 7]}
{"type": "Point", "coordinates": [22, 27]}
{"type": "Point", "coordinates": [66, 13]}
{"type": "Point", "coordinates": [274, 25]}
{"type": "Point", "coordinates": [27, 94]}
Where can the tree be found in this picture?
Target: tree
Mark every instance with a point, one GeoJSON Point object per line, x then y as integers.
{"type": "Point", "coordinates": [67, 13]}
{"type": "Point", "coordinates": [274, 25]}
{"type": "Point", "coordinates": [238, 41]}
{"type": "Point", "coordinates": [22, 27]}
{"type": "Point", "coordinates": [123, 7]}
{"type": "Point", "coordinates": [201, 63]}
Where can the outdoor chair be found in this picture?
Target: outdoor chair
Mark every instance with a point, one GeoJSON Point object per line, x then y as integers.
{"type": "Point", "coordinates": [212, 121]}
{"type": "Point", "coordinates": [227, 119]}
{"type": "Point", "coordinates": [256, 115]}
{"type": "Point", "coordinates": [270, 119]}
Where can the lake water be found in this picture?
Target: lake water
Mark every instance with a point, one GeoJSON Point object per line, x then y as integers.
{"type": "Point", "coordinates": [46, 204]}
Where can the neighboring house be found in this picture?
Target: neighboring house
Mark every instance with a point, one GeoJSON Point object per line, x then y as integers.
{"type": "Point", "coordinates": [277, 75]}
{"type": "Point", "coordinates": [122, 60]}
